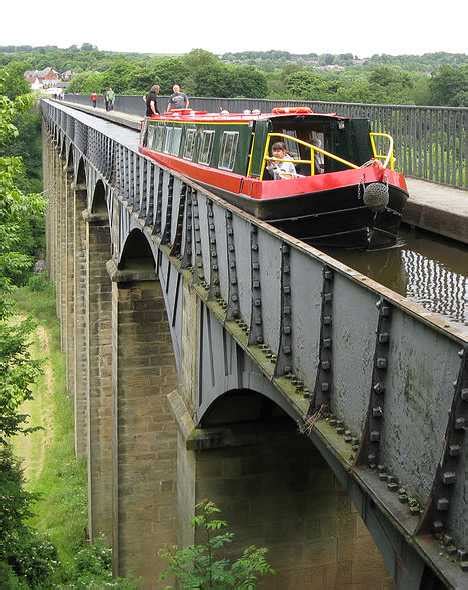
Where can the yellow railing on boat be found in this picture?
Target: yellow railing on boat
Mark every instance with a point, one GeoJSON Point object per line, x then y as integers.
{"type": "Point", "coordinates": [388, 158]}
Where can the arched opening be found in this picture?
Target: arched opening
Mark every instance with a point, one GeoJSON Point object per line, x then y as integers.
{"type": "Point", "coordinates": [70, 162]}
{"type": "Point", "coordinates": [137, 253]}
{"type": "Point", "coordinates": [81, 173]}
{"type": "Point", "coordinates": [99, 204]}
{"type": "Point", "coordinates": [276, 490]}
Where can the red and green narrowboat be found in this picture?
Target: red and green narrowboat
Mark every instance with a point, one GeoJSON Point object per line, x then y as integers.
{"type": "Point", "coordinates": [346, 191]}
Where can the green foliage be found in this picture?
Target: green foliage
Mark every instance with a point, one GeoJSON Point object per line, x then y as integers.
{"type": "Point", "coordinates": [205, 567]}
{"type": "Point", "coordinates": [31, 557]}
{"type": "Point", "coordinates": [93, 570]}
{"type": "Point", "coordinates": [38, 282]}
{"type": "Point", "coordinates": [449, 86]}
{"type": "Point", "coordinates": [12, 82]}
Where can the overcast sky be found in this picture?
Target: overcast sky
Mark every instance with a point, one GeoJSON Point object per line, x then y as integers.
{"type": "Point", "coordinates": [303, 26]}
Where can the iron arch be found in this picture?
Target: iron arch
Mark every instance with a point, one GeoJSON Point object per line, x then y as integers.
{"type": "Point", "coordinates": [99, 201]}
{"type": "Point", "coordinates": [137, 253]}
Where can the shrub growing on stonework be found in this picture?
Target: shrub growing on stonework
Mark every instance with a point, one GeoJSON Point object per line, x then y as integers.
{"type": "Point", "coordinates": [205, 567]}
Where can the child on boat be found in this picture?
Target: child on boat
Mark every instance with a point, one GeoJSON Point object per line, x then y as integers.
{"type": "Point", "coordinates": [281, 170]}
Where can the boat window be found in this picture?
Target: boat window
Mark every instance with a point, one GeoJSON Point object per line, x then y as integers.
{"type": "Point", "coordinates": [149, 136]}
{"type": "Point", "coordinates": [168, 141]}
{"type": "Point", "coordinates": [206, 147]}
{"type": "Point", "coordinates": [293, 147]}
{"type": "Point", "coordinates": [158, 138]}
{"type": "Point", "coordinates": [177, 136]}
{"type": "Point", "coordinates": [228, 150]}
{"type": "Point", "coordinates": [189, 143]}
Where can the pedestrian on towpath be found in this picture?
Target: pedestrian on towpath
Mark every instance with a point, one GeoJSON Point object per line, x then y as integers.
{"type": "Point", "coordinates": [178, 100]}
{"type": "Point", "coordinates": [110, 99]}
{"type": "Point", "coordinates": [151, 100]}
{"type": "Point", "coordinates": [94, 99]}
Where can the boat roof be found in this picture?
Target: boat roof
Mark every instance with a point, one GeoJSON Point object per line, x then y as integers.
{"type": "Point", "coordinates": [187, 115]}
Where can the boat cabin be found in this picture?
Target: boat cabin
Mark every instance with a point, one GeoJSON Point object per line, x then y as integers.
{"type": "Point", "coordinates": [241, 143]}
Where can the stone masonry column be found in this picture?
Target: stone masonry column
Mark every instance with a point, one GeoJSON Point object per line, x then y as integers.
{"type": "Point", "coordinates": [144, 435]}
{"type": "Point", "coordinates": [70, 283]}
{"type": "Point", "coordinates": [80, 369]}
{"type": "Point", "coordinates": [47, 155]}
{"type": "Point", "coordinates": [63, 272]}
{"type": "Point", "coordinates": [276, 491]}
{"type": "Point", "coordinates": [58, 204]}
{"type": "Point", "coordinates": [98, 347]}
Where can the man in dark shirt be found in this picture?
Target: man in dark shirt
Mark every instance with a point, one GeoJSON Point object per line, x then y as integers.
{"type": "Point", "coordinates": [152, 101]}
{"type": "Point", "coordinates": [178, 99]}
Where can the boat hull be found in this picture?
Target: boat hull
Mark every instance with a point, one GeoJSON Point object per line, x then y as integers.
{"type": "Point", "coordinates": [334, 218]}
{"type": "Point", "coordinates": [324, 210]}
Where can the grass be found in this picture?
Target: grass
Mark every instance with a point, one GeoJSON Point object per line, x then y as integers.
{"type": "Point", "coordinates": [52, 470]}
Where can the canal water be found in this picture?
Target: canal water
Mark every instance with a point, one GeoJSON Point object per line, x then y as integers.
{"type": "Point", "coordinates": [425, 268]}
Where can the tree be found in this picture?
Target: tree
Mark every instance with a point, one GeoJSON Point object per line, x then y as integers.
{"type": "Point", "coordinates": [307, 85]}
{"type": "Point", "coordinates": [212, 80]}
{"type": "Point", "coordinates": [449, 86]}
{"type": "Point", "coordinates": [205, 567]}
{"type": "Point", "coordinates": [87, 82]}
{"type": "Point", "coordinates": [248, 81]}
{"type": "Point", "coordinates": [23, 553]}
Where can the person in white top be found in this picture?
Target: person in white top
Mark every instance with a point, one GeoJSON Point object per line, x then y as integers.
{"type": "Point", "coordinates": [281, 170]}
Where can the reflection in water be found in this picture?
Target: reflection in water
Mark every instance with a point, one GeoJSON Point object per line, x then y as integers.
{"type": "Point", "coordinates": [425, 268]}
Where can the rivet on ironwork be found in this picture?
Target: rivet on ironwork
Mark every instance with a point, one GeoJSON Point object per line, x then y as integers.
{"type": "Point", "coordinates": [383, 338]}
{"type": "Point", "coordinates": [459, 423]}
{"type": "Point", "coordinates": [375, 436]}
{"type": "Point", "coordinates": [443, 504]}
{"type": "Point", "coordinates": [464, 394]}
{"type": "Point", "coordinates": [379, 388]}
{"type": "Point", "coordinates": [449, 477]}
{"type": "Point", "coordinates": [382, 363]}
{"type": "Point", "coordinates": [327, 297]}
{"type": "Point", "coordinates": [325, 387]}
{"type": "Point", "coordinates": [325, 365]}
{"type": "Point", "coordinates": [377, 412]}
{"type": "Point", "coordinates": [454, 450]}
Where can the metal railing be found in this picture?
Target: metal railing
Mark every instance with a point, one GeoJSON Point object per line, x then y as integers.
{"type": "Point", "coordinates": [431, 143]}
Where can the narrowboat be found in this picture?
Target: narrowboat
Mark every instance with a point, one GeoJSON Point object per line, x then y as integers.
{"type": "Point", "coordinates": [345, 191]}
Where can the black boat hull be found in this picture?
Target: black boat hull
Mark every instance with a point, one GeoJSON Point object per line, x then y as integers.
{"type": "Point", "coordinates": [334, 218]}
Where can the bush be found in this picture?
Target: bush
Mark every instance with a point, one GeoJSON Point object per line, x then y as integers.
{"type": "Point", "coordinates": [38, 282]}
{"type": "Point", "coordinates": [8, 578]}
{"type": "Point", "coordinates": [35, 560]}
{"type": "Point", "coordinates": [204, 567]}
{"type": "Point", "coordinates": [93, 570]}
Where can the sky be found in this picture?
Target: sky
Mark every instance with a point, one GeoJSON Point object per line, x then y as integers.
{"type": "Point", "coordinates": [363, 28]}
